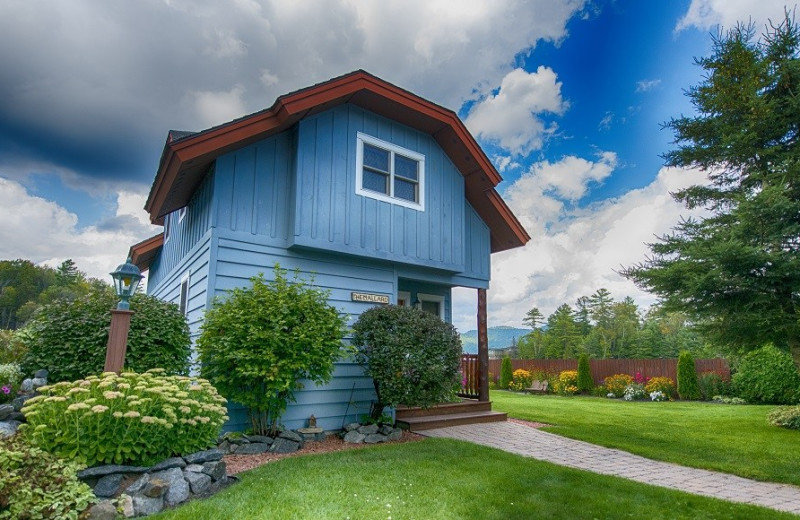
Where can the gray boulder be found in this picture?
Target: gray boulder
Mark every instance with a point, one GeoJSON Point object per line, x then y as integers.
{"type": "Point", "coordinates": [41, 374]}
{"type": "Point", "coordinates": [100, 471]}
{"type": "Point", "coordinates": [198, 482]}
{"type": "Point", "coordinates": [8, 428]}
{"type": "Point", "coordinates": [5, 411]}
{"type": "Point", "coordinates": [193, 468]}
{"type": "Point", "coordinates": [177, 487]}
{"type": "Point", "coordinates": [104, 510]}
{"type": "Point", "coordinates": [374, 438]}
{"type": "Point", "coordinates": [396, 435]}
{"type": "Point", "coordinates": [203, 456]}
{"type": "Point", "coordinates": [368, 429]}
{"type": "Point", "coordinates": [259, 438]}
{"type": "Point", "coordinates": [216, 469]}
{"type": "Point", "coordinates": [282, 445]}
{"type": "Point", "coordinates": [138, 484]}
{"type": "Point", "coordinates": [38, 382]}
{"type": "Point", "coordinates": [145, 506]}
{"type": "Point", "coordinates": [252, 448]}
{"type": "Point", "coordinates": [173, 462]}
{"type": "Point", "coordinates": [26, 385]}
{"type": "Point", "coordinates": [292, 436]}
{"type": "Point", "coordinates": [354, 437]}
{"type": "Point", "coordinates": [108, 485]}
{"type": "Point", "coordinates": [352, 426]}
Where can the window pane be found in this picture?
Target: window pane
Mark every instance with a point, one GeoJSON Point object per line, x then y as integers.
{"type": "Point", "coordinates": [432, 307]}
{"type": "Point", "coordinates": [405, 190]}
{"type": "Point", "coordinates": [376, 158]}
{"type": "Point", "coordinates": [375, 181]}
{"type": "Point", "coordinates": [405, 167]}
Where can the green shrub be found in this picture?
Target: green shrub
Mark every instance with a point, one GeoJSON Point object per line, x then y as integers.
{"type": "Point", "coordinates": [785, 417]}
{"type": "Point", "coordinates": [506, 373]}
{"type": "Point", "coordinates": [412, 356]}
{"type": "Point", "coordinates": [259, 342]}
{"type": "Point", "coordinates": [711, 384]}
{"type": "Point", "coordinates": [69, 338]}
{"type": "Point", "coordinates": [615, 385]}
{"type": "Point", "coordinates": [132, 418]}
{"type": "Point", "coordinates": [12, 346]}
{"type": "Point", "coordinates": [585, 379]}
{"type": "Point", "coordinates": [767, 375]}
{"type": "Point", "coordinates": [35, 484]}
{"type": "Point", "coordinates": [665, 385]}
{"type": "Point", "coordinates": [10, 378]}
{"type": "Point", "coordinates": [687, 377]}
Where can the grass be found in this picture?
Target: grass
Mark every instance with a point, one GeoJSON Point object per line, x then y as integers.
{"type": "Point", "coordinates": [444, 479]}
{"type": "Point", "coordinates": [733, 439]}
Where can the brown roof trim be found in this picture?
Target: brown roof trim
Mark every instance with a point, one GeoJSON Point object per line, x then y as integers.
{"type": "Point", "coordinates": [142, 254]}
{"type": "Point", "coordinates": [186, 159]}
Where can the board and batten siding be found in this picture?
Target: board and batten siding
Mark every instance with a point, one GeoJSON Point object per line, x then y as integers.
{"type": "Point", "coordinates": [330, 215]}
{"type": "Point", "coordinates": [240, 255]}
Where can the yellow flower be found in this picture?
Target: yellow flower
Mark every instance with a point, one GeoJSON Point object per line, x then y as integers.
{"type": "Point", "coordinates": [55, 399]}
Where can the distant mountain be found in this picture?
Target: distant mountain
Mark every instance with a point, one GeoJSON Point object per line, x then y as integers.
{"type": "Point", "coordinates": [499, 337]}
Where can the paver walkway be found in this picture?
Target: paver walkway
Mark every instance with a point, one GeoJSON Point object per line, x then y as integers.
{"type": "Point", "coordinates": [530, 442]}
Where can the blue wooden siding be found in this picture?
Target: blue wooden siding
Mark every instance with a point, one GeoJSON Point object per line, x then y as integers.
{"type": "Point", "coordinates": [330, 215]}
{"type": "Point", "coordinates": [184, 234]}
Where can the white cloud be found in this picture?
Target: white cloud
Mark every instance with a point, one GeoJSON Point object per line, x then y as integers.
{"type": "Point", "coordinates": [44, 232]}
{"type": "Point", "coordinates": [214, 108]}
{"type": "Point", "coordinates": [574, 252]}
{"type": "Point", "coordinates": [646, 85]}
{"type": "Point", "coordinates": [705, 14]}
{"type": "Point", "coordinates": [512, 117]}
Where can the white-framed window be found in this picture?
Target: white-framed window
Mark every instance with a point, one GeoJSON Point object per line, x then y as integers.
{"type": "Point", "coordinates": [181, 213]}
{"type": "Point", "coordinates": [432, 303]}
{"type": "Point", "coordinates": [167, 226]}
{"type": "Point", "coordinates": [390, 173]}
{"type": "Point", "coordinates": [183, 301]}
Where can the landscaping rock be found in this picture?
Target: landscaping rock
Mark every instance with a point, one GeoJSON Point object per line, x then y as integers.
{"type": "Point", "coordinates": [368, 429]}
{"type": "Point", "coordinates": [19, 401]}
{"type": "Point", "coordinates": [374, 438]}
{"type": "Point", "coordinates": [252, 448]}
{"type": "Point", "coordinates": [138, 484]}
{"type": "Point", "coordinates": [311, 434]}
{"type": "Point", "coordinates": [38, 382]}
{"type": "Point", "coordinates": [108, 485]}
{"type": "Point", "coordinates": [173, 462]}
{"type": "Point", "coordinates": [16, 416]}
{"type": "Point", "coordinates": [385, 429]}
{"type": "Point", "coordinates": [292, 436]}
{"type": "Point", "coordinates": [354, 437]}
{"type": "Point", "coordinates": [396, 435]}
{"type": "Point", "coordinates": [216, 469]}
{"type": "Point", "coordinates": [260, 438]}
{"type": "Point", "coordinates": [8, 428]}
{"type": "Point", "coordinates": [177, 487]}
{"type": "Point", "coordinates": [155, 488]}
{"type": "Point", "coordinates": [198, 482]}
{"type": "Point", "coordinates": [203, 456]}
{"type": "Point", "coordinates": [41, 374]}
{"type": "Point", "coordinates": [144, 506]}
{"type": "Point", "coordinates": [104, 510]}
{"type": "Point", "coordinates": [100, 471]}
{"type": "Point", "coordinates": [281, 445]}
{"type": "Point", "coordinates": [226, 447]}
{"type": "Point", "coordinates": [126, 504]}
{"type": "Point", "coordinates": [26, 385]}
{"type": "Point", "coordinates": [5, 411]}
{"type": "Point", "coordinates": [352, 426]}
{"type": "Point", "coordinates": [193, 468]}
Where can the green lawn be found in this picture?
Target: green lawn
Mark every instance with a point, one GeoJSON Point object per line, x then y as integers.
{"type": "Point", "coordinates": [730, 438]}
{"type": "Point", "coordinates": [444, 479]}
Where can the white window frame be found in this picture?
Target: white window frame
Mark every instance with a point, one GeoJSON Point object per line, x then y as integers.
{"type": "Point", "coordinates": [181, 213]}
{"type": "Point", "coordinates": [167, 227]}
{"type": "Point", "coordinates": [393, 149]}
{"type": "Point", "coordinates": [438, 298]}
{"type": "Point", "coordinates": [183, 295]}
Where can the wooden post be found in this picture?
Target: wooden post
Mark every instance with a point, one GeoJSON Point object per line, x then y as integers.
{"type": "Point", "coordinates": [117, 340]}
{"type": "Point", "coordinates": [483, 348]}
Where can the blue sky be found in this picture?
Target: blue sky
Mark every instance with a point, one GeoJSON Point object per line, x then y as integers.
{"type": "Point", "coordinates": [566, 97]}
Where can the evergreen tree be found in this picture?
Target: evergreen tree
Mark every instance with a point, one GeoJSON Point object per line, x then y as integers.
{"type": "Point", "coordinates": [736, 270]}
{"type": "Point", "coordinates": [562, 339]}
{"type": "Point", "coordinates": [534, 318]}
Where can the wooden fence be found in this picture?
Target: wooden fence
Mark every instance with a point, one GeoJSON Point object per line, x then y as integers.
{"type": "Point", "coordinates": [602, 368]}
{"type": "Point", "coordinates": [470, 376]}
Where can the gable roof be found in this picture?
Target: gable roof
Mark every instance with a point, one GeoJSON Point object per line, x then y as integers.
{"type": "Point", "coordinates": [187, 156]}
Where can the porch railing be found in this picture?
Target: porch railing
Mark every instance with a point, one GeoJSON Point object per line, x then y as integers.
{"type": "Point", "coordinates": [470, 372]}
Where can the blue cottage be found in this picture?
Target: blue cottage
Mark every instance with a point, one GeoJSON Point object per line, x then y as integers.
{"type": "Point", "coordinates": [379, 194]}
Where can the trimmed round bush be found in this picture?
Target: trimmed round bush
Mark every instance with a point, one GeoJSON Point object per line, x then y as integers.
{"type": "Point", "coordinates": [70, 338]}
{"type": "Point", "coordinates": [768, 376]}
{"type": "Point", "coordinates": [131, 418]}
{"type": "Point", "coordinates": [412, 356]}
{"type": "Point", "coordinates": [687, 377]}
{"type": "Point", "coordinates": [585, 379]}
{"type": "Point", "coordinates": [35, 484]}
{"type": "Point", "coordinates": [785, 417]}
{"type": "Point", "coordinates": [260, 341]}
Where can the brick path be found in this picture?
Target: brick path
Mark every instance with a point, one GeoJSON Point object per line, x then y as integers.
{"type": "Point", "coordinates": [530, 442]}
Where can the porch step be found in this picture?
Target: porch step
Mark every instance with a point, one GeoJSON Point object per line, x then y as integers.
{"type": "Point", "coordinates": [428, 422]}
{"type": "Point", "coordinates": [465, 406]}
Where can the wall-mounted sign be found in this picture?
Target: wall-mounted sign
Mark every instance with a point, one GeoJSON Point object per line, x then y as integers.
{"type": "Point", "coordinates": [369, 298]}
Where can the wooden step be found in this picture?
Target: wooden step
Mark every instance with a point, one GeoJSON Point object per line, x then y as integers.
{"type": "Point", "coordinates": [402, 412]}
{"type": "Point", "coordinates": [450, 419]}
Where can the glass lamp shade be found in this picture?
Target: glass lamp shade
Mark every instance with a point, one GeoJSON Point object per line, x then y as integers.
{"type": "Point", "coordinates": [126, 280]}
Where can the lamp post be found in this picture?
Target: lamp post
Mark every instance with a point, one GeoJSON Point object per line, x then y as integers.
{"type": "Point", "coordinates": [126, 280]}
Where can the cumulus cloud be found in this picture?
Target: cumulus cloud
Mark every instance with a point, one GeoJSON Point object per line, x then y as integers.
{"type": "Point", "coordinates": [705, 14]}
{"type": "Point", "coordinates": [513, 116]}
{"type": "Point", "coordinates": [44, 232]}
{"type": "Point", "coordinates": [574, 252]}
